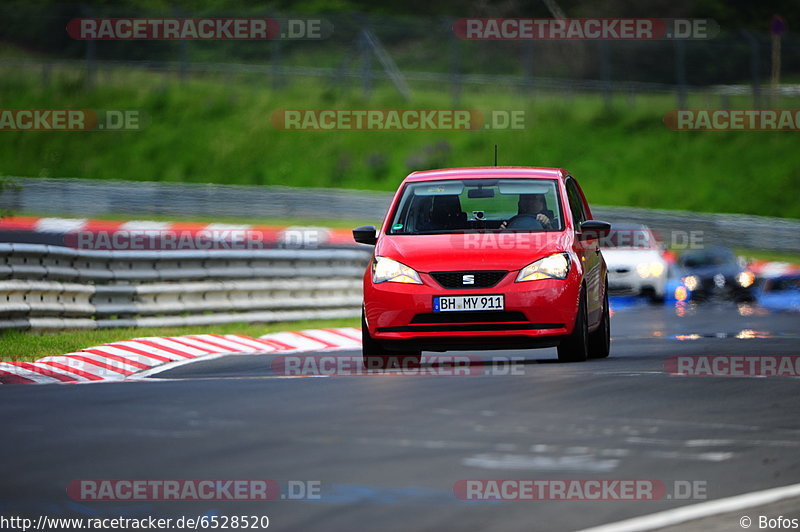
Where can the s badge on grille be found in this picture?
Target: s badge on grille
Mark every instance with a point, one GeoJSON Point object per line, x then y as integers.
{"type": "Point", "coordinates": [468, 279]}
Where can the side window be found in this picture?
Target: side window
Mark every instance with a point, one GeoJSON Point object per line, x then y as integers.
{"type": "Point", "coordinates": [575, 204]}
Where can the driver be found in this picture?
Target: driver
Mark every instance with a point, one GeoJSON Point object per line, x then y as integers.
{"type": "Point", "coordinates": [533, 204]}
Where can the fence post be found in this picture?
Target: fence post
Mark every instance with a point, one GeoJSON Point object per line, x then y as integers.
{"type": "Point", "coordinates": [755, 67]}
{"type": "Point", "coordinates": [275, 61]}
{"type": "Point", "coordinates": [365, 62]}
{"type": "Point", "coordinates": [182, 49]}
{"type": "Point", "coordinates": [91, 52]}
{"type": "Point", "coordinates": [605, 71]}
{"type": "Point", "coordinates": [455, 65]}
{"type": "Point", "coordinates": [46, 67]}
{"type": "Point", "coordinates": [528, 65]}
{"type": "Point", "coordinates": [680, 71]}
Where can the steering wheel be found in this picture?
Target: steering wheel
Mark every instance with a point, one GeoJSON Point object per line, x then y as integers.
{"type": "Point", "coordinates": [524, 221]}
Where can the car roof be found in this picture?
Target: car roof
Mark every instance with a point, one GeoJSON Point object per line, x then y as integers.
{"type": "Point", "coordinates": [709, 250]}
{"type": "Point", "coordinates": [476, 172]}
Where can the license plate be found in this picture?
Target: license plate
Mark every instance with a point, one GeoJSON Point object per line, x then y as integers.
{"type": "Point", "coordinates": [460, 303]}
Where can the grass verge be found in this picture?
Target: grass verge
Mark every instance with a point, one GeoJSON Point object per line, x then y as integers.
{"type": "Point", "coordinates": [777, 256]}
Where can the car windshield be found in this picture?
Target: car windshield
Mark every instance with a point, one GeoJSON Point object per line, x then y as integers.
{"type": "Point", "coordinates": [456, 206]}
{"type": "Point", "coordinates": [711, 258]}
{"type": "Point", "coordinates": [629, 237]}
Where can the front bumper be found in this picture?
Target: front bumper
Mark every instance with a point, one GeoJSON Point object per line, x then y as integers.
{"type": "Point", "coordinates": [537, 314]}
{"type": "Point", "coordinates": [729, 290]}
{"type": "Point", "coordinates": [626, 282]}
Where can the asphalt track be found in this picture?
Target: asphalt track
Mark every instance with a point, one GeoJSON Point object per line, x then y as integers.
{"type": "Point", "coordinates": [387, 450]}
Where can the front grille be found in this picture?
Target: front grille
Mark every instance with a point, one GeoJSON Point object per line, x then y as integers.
{"type": "Point", "coordinates": [621, 269]}
{"type": "Point", "coordinates": [477, 316]}
{"type": "Point", "coordinates": [483, 279]}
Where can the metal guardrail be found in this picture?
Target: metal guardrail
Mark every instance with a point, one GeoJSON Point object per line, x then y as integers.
{"type": "Point", "coordinates": [677, 228]}
{"type": "Point", "coordinates": [85, 197]}
{"type": "Point", "coordinates": [88, 197]}
{"type": "Point", "coordinates": [56, 287]}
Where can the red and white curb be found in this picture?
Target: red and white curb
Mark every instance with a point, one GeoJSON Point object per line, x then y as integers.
{"type": "Point", "coordinates": [142, 356]}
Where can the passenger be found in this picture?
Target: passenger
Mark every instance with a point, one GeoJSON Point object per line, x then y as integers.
{"type": "Point", "coordinates": [447, 213]}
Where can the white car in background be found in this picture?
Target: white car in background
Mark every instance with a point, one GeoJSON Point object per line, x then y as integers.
{"type": "Point", "coordinates": [635, 260]}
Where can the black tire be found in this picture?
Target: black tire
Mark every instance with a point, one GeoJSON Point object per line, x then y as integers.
{"type": "Point", "coordinates": [575, 347]}
{"type": "Point", "coordinates": [600, 339]}
{"type": "Point", "coordinates": [375, 356]}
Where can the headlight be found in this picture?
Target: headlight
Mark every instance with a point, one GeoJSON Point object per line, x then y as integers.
{"type": "Point", "coordinates": [552, 267]}
{"type": "Point", "coordinates": [650, 269]}
{"type": "Point", "coordinates": [681, 294]}
{"type": "Point", "coordinates": [745, 279]}
{"type": "Point", "coordinates": [691, 282]}
{"type": "Point", "coordinates": [388, 270]}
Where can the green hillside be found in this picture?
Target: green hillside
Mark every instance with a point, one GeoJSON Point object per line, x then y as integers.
{"type": "Point", "coordinates": [219, 129]}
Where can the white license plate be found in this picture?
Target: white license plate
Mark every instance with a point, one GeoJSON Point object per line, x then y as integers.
{"type": "Point", "coordinates": [459, 303]}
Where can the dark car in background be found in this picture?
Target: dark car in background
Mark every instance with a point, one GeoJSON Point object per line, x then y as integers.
{"type": "Point", "coordinates": [715, 272]}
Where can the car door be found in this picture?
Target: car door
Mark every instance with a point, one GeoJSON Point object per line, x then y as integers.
{"type": "Point", "coordinates": [588, 251]}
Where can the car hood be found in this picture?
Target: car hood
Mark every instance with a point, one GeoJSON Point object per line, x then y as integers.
{"type": "Point", "coordinates": [631, 257]}
{"type": "Point", "coordinates": [472, 251]}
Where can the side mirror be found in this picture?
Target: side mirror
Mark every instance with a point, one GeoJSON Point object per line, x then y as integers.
{"type": "Point", "coordinates": [366, 234]}
{"type": "Point", "coordinates": [594, 229]}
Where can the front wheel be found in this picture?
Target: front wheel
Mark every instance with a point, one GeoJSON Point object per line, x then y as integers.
{"type": "Point", "coordinates": [375, 356]}
{"type": "Point", "coordinates": [600, 340]}
{"type": "Point", "coordinates": [656, 299]}
{"type": "Point", "coordinates": [575, 347]}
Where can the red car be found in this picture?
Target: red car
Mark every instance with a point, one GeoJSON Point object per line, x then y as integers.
{"type": "Point", "coordinates": [486, 258]}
